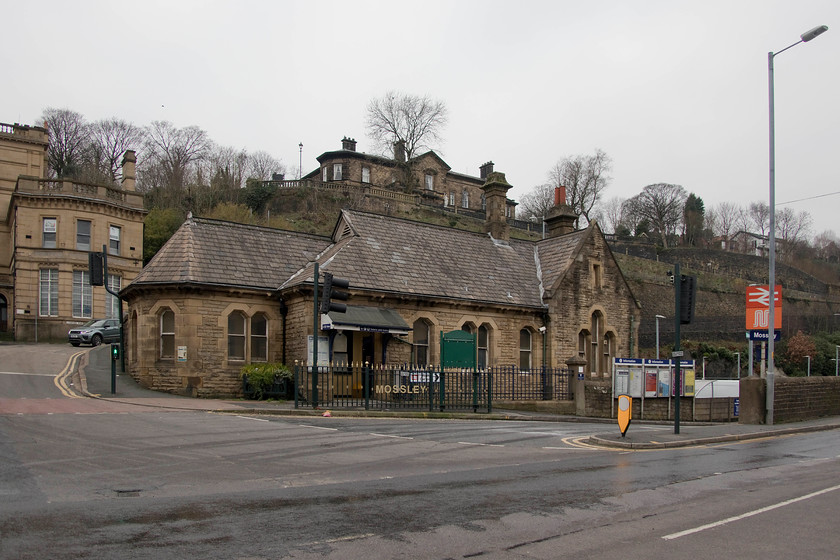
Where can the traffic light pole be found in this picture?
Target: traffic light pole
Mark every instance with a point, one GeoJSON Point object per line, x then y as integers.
{"type": "Point", "coordinates": [119, 301]}
{"type": "Point", "coordinates": [677, 353]}
{"type": "Point", "coordinates": [315, 328]}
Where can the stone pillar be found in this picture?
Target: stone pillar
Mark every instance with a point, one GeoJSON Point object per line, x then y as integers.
{"type": "Point", "coordinates": [577, 365]}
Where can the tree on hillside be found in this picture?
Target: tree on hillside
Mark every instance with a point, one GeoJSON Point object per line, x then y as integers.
{"type": "Point", "coordinates": [158, 227]}
{"type": "Point", "coordinates": [792, 229]}
{"type": "Point", "coordinates": [68, 135]}
{"type": "Point", "coordinates": [723, 219]}
{"type": "Point", "coordinates": [417, 122]}
{"type": "Point", "coordinates": [693, 218]}
{"type": "Point", "coordinates": [537, 202]}
{"type": "Point", "coordinates": [585, 178]}
{"type": "Point", "coordinates": [661, 204]}
{"type": "Point", "coordinates": [173, 155]}
{"type": "Point", "coordinates": [262, 166]}
{"type": "Point", "coordinates": [759, 217]}
{"type": "Point", "coordinates": [109, 140]}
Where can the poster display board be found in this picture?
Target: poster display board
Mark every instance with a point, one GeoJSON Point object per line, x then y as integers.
{"type": "Point", "coordinates": [651, 378]}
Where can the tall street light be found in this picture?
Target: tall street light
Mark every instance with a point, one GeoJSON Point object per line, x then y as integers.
{"type": "Point", "coordinates": [804, 38]}
{"type": "Point", "coordinates": [657, 334]}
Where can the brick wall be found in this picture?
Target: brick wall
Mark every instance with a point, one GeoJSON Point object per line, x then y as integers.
{"type": "Point", "coordinates": [805, 398]}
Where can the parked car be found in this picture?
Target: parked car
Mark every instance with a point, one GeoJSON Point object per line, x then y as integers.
{"type": "Point", "coordinates": [95, 332]}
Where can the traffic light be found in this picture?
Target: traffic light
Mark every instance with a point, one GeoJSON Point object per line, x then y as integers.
{"type": "Point", "coordinates": [688, 298]}
{"type": "Point", "coordinates": [115, 352]}
{"type": "Point", "coordinates": [330, 293]}
{"type": "Point", "coordinates": [96, 269]}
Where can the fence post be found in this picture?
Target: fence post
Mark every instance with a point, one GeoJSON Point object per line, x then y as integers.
{"type": "Point", "coordinates": [366, 384]}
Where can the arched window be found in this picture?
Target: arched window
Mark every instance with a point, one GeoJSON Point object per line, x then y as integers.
{"type": "Point", "coordinates": [421, 342]}
{"type": "Point", "coordinates": [608, 352]}
{"type": "Point", "coordinates": [595, 329]}
{"type": "Point", "coordinates": [259, 338]}
{"type": "Point", "coordinates": [525, 350]}
{"type": "Point", "coordinates": [465, 199]}
{"type": "Point", "coordinates": [483, 346]}
{"type": "Point", "coordinates": [167, 334]}
{"type": "Point", "coordinates": [236, 336]}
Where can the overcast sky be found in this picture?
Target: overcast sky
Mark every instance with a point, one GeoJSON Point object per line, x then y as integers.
{"type": "Point", "coordinates": [673, 91]}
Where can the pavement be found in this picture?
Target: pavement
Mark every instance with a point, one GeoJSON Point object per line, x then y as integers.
{"type": "Point", "coordinates": [93, 375]}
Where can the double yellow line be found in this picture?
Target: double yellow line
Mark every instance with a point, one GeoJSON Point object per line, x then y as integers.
{"type": "Point", "coordinates": [61, 380]}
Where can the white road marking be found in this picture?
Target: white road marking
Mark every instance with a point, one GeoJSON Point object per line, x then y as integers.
{"type": "Point", "coordinates": [252, 418]}
{"type": "Point", "coordinates": [750, 513]}
{"type": "Point", "coordinates": [390, 436]}
{"type": "Point", "coordinates": [318, 427]}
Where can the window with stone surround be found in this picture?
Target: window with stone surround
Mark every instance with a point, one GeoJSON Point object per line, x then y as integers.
{"type": "Point", "coordinates": [259, 338]}
{"type": "Point", "coordinates": [167, 334]}
{"type": "Point", "coordinates": [525, 350]}
{"type": "Point", "coordinates": [483, 346]}
{"type": "Point", "coordinates": [112, 303]}
{"type": "Point", "coordinates": [421, 342]}
{"type": "Point", "coordinates": [82, 294]}
{"type": "Point", "coordinates": [83, 235]}
{"type": "Point", "coordinates": [48, 292]}
{"type": "Point", "coordinates": [365, 174]}
{"type": "Point", "coordinates": [50, 227]}
{"type": "Point", "coordinates": [236, 336]}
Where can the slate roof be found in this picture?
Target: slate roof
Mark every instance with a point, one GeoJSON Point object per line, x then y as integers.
{"type": "Point", "coordinates": [214, 252]}
{"type": "Point", "coordinates": [400, 256]}
{"type": "Point", "coordinates": [376, 253]}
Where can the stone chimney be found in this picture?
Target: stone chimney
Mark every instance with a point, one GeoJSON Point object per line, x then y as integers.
{"type": "Point", "coordinates": [486, 170]}
{"type": "Point", "coordinates": [561, 218]}
{"type": "Point", "coordinates": [348, 144]}
{"type": "Point", "coordinates": [399, 150]}
{"type": "Point", "coordinates": [495, 194]}
{"type": "Point", "coordinates": [129, 167]}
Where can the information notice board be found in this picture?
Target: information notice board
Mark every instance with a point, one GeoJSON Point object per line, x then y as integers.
{"type": "Point", "coordinates": [653, 378]}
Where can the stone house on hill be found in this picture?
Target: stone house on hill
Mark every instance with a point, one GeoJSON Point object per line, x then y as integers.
{"type": "Point", "coordinates": [219, 295]}
{"type": "Point", "coordinates": [426, 177]}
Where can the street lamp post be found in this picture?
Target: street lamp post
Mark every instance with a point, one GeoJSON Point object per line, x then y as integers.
{"type": "Point", "coordinates": [809, 365]}
{"type": "Point", "coordinates": [836, 363]}
{"type": "Point", "coordinates": [300, 161]}
{"type": "Point", "coordinates": [804, 38]}
{"type": "Point", "coordinates": [657, 334]}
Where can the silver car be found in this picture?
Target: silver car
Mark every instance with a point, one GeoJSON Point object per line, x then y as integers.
{"type": "Point", "coordinates": [95, 332]}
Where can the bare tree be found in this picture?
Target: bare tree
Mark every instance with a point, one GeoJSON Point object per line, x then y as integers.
{"type": "Point", "coordinates": [792, 228]}
{"type": "Point", "coordinates": [68, 135]}
{"type": "Point", "coordinates": [416, 122]}
{"type": "Point", "coordinates": [759, 216]}
{"type": "Point", "coordinates": [262, 166]}
{"type": "Point", "coordinates": [174, 149]}
{"type": "Point", "coordinates": [537, 202]}
{"type": "Point", "coordinates": [610, 215]}
{"type": "Point", "coordinates": [585, 178]}
{"type": "Point", "coordinates": [662, 205]}
{"type": "Point", "coordinates": [109, 140]}
{"type": "Point", "coordinates": [723, 220]}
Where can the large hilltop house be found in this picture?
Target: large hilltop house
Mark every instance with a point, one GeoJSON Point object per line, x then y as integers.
{"type": "Point", "coordinates": [220, 295]}
{"type": "Point", "coordinates": [425, 179]}
{"type": "Point", "coordinates": [48, 227]}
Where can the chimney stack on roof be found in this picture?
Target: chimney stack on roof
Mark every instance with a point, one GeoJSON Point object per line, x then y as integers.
{"type": "Point", "coordinates": [399, 150]}
{"type": "Point", "coordinates": [486, 170]}
{"type": "Point", "coordinates": [495, 195]}
{"type": "Point", "coordinates": [129, 170]}
{"type": "Point", "coordinates": [561, 218]}
{"type": "Point", "coordinates": [348, 144]}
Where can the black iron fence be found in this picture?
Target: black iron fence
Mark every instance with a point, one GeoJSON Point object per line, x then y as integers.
{"type": "Point", "coordinates": [425, 388]}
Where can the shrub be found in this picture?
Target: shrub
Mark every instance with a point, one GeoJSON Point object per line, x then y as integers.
{"type": "Point", "coordinates": [261, 377]}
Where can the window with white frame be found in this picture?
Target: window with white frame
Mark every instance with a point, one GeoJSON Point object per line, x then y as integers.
{"type": "Point", "coordinates": [236, 336]}
{"type": "Point", "coordinates": [483, 346]}
{"type": "Point", "coordinates": [48, 292]}
{"type": "Point", "coordinates": [465, 199]}
{"type": "Point", "coordinates": [451, 199]}
{"type": "Point", "coordinates": [83, 235]}
{"type": "Point", "coordinates": [365, 174]}
{"type": "Point", "coordinates": [337, 172]}
{"type": "Point", "coordinates": [167, 334]}
{"type": "Point", "coordinates": [112, 303]}
{"type": "Point", "coordinates": [114, 234]}
{"type": "Point", "coordinates": [50, 228]}
{"type": "Point", "coordinates": [82, 293]}
{"type": "Point", "coordinates": [259, 338]}
{"type": "Point", "coordinates": [430, 182]}
{"type": "Point", "coordinates": [324, 174]}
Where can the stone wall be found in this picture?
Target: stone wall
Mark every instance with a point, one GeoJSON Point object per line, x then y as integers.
{"type": "Point", "coordinates": [795, 399]}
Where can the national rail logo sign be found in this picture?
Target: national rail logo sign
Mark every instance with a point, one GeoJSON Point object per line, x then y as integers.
{"type": "Point", "coordinates": [758, 307]}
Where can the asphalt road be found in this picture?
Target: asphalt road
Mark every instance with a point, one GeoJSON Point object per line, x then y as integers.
{"type": "Point", "coordinates": [141, 482]}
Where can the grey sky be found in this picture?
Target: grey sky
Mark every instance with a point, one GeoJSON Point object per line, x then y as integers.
{"type": "Point", "coordinates": [673, 91]}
